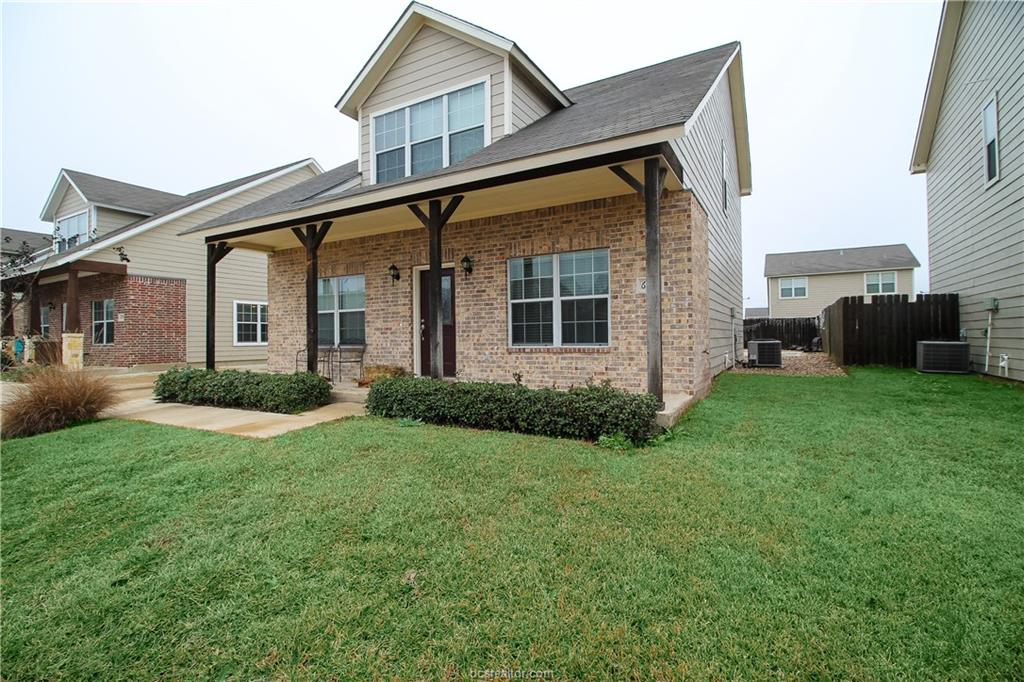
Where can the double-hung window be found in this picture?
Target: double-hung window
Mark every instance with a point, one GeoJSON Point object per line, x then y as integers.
{"type": "Point", "coordinates": [103, 322]}
{"type": "Point", "coordinates": [341, 309]}
{"type": "Point", "coordinates": [251, 324]}
{"type": "Point", "coordinates": [880, 283]}
{"type": "Point", "coordinates": [430, 134]}
{"type": "Point", "coordinates": [990, 126]}
{"type": "Point", "coordinates": [44, 321]}
{"type": "Point", "coordinates": [560, 300]}
{"type": "Point", "coordinates": [71, 231]}
{"type": "Point", "coordinates": [793, 287]}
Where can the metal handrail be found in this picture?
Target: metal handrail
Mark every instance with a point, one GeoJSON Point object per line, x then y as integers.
{"type": "Point", "coordinates": [331, 358]}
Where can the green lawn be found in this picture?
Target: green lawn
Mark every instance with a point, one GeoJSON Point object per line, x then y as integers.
{"type": "Point", "coordinates": [869, 526]}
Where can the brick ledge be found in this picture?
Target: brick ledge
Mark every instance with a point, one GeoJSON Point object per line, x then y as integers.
{"type": "Point", "coordinates": [564, 349]}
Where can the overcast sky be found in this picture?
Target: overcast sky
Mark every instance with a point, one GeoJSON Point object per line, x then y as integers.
{"type": "Point", "coordinates": [183, 96]}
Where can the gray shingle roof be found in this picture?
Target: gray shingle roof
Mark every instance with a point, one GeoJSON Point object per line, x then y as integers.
{"type": "Point", "coordinates": [11, 240]}
{"type": "Point", "coordinates": [102, 190]}
{"type": "Point", "coordinates": [750, 313]}
{"type": "Point", "coordinates": [182, 203]}
{"type": "Point", "coordinates": [857, 259]}
{"type": "Point", "coordinates": [657, 96]}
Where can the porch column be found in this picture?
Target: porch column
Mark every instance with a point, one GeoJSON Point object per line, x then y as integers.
{"type": "Point", "coordinates": [215, 252]}
{"type": "Point", "coordinates": [74, 323]}
{"type": "Point", "coordinates": [434, 221]}
{"type": "Point", "coordinates": [34, 318]}
{"type": "Point", "coordinates": [653, 179]}
{"type": "Point", "coordinates": [311, 238]}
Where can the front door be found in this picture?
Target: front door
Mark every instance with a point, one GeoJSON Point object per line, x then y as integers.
{"type": "Point", "coordinates": [447, 322]}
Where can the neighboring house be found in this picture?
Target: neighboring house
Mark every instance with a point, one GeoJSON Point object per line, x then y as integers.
{"type": "Point", "coordinates": [752, 313]}
{"type": "Point", "coordinates": [802, 283]}
{"type": "Point", "coordinates": [14, 243]}
{"type": "Point", "coordinates": [969, 142]}
{"type": "Point", "coordinates": [140, 288]}
{"type": "Point", "coordinates": [557, 229]}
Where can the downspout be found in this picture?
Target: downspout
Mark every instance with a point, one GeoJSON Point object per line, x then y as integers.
{"type": "Point", "coordinates": [988, 339]}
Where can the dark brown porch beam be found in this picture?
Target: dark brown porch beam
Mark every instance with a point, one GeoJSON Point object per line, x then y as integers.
{"type": "Point", "coordinates": [311, 238]}
{"type": "Point", "coordinates": [214, 254]}
{"type": "Point", "coordinates": [35, 321]}
{"type": "Point", "coordinates": [653, 178]}
{"type": "Point", "coordinates": [74, 321]}
{"type": "Point", "coordinates": [434, 221]}
{"type": "Point", "coordinates": [624, 175]}
{"type": "Point", "coordinates": [661, 149]}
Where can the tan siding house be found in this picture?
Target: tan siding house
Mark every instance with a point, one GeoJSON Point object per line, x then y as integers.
{"type": "Point", "coordinates": [155, 279]}
{"type": "Point", "coordinates": [495, 227]}
{"type": "Point", "coordinates": [970, 142]}
{"type": "Point", "coordinates": [803, 283]}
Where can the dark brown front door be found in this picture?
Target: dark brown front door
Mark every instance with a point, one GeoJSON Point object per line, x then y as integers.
{"type": "Point", "coordinates": [447, 322]}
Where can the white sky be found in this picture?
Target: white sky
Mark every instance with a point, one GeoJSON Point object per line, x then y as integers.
{"type": "Point", "coordinates": [183, 96]}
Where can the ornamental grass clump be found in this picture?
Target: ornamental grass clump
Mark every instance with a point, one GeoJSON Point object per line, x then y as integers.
{"type": "Point", "coordinates": [53, 398]}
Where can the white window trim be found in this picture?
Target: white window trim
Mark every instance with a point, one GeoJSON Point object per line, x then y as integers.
{"type": "Point", "coordinates": [807, 288]}
{"type": "Point", "coordinates": [556, 301]}
{"type": "Point", "coordinates": [895, 282]}
{"type": "Point", "coordinates": [337, 311]}
{"type": "Point", "coordinates": [88, 228]}
{"type": "Point", "coordinates": [992, 99]}
{"type": "Point", "coordinates": [44, 329]}
{"type": "Point", "coordinates": [488, 122]}
{"type": "Point", "coordinates": [234, 323]}
{"type": "Point", "coordinates": [104, 321]}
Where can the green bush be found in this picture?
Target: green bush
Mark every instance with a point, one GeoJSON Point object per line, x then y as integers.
{"type": "Point", "coordinates": [284, 393]}
{"type": "Point", "coordinates": [584, 413]}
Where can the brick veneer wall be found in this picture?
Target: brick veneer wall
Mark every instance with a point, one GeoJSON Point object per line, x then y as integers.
{"type": "Point", "coordinates": [153, 330]}
{"type": "Point", "coordinates": [482, 351]}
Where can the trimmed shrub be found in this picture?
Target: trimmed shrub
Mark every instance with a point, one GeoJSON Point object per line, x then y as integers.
{"type": "Point", "coordinates": [584, 413]}
{"type": "Point", "coordinates": [53, 398]}
{"type": "Point", "coordinates": [283, 393]}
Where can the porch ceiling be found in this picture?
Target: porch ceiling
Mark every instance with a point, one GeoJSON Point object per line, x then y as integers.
{"type": "Point", "coordinates": [565, 188]}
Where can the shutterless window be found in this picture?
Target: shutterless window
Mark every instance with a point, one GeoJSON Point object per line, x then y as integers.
{"type": "Point", "coordinates": [990, 125]}
{"type": "Point", "coordinates": [428, 135]}
{"type": "Point", "coordinates": [880, 283]}
{"type": "Point", "coordinates": [103, 322]}
{"type": "Point", "coordinates": [71, 231]}
{"type": "Point", "coordinates": [573, 313]}
{"type": "Point", "coordinates": [341, 309]}
{"type": "Point", "coordinates": [44, 321]}
{"type": "Point", "coordinates": [793, 287]}
{"type": "Point", "coordinates": [251, 324]}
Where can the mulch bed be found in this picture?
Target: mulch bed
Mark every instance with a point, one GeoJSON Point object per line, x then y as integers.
{"type": "Point", "coordinates": [802, 364]}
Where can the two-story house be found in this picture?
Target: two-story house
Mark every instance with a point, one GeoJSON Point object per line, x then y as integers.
{"type": "Point", "coordinates": [970, 142]}
{"type": "Point", "coordinates": [120, 273]}
{"type": "Point", "coordinates": [802, 283]}
{"type": "Point", "coordinates": [496, 226]}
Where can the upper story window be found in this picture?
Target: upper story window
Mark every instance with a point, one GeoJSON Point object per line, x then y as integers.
{"type": "Point", "coordinates": [793, 287]}
{"type": "Point", "coordinates": [880, 283]}
{"type": "Point", "coordinates": [431, 134]}
{"type": "Point", "coordinates": [990, 124]}
{"type": "Point", "coordinates": [71, 231]}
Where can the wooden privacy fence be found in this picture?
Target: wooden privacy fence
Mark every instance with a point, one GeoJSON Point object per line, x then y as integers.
{"type": "Point", "coordinates": [886, 330]}
{"type": "Point", "coordinates": [791, 331]}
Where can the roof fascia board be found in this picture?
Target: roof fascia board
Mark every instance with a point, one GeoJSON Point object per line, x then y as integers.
{"type": "Point", "coordinates": [442, 185]}
{"type": "Point", "coordinates": [539, 76]}
{"type": "Point", "coordinates": [123, 209]}
{"type": "Point", "coordinates": [942, 59]}
{"type": "Point", "coordinates": [47, 211]}
{"type": "Point", "coordinates": [102, 243]}
{"type": "Point", "coordinates": [880, 268]}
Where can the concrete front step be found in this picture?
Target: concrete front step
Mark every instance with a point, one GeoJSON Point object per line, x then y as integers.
{"type": "Point", "coordinates": [349, 394]}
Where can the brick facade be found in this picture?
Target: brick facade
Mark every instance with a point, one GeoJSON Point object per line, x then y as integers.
{"type": "Point", "coordinates": [482, 349]}
{"type": "Point", "coordinates": [149, 318]}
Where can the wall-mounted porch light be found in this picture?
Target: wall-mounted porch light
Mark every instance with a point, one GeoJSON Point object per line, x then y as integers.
{"type": "Point", "coordinates": [467, 265]}
{"type": "Point", "coordinates": [394, 272]}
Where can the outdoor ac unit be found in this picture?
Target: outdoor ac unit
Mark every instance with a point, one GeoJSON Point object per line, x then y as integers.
{"type": "Point", "coordinates": [764, 353]}
{"type": "Point", "coordinates": [943, 356]}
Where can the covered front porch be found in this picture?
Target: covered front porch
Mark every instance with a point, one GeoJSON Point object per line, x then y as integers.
{"type": "Point", "coordinates": [553, 278]}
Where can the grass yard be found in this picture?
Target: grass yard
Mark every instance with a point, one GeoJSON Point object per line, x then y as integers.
{"type": "Point", "coordinates": [869, 526]}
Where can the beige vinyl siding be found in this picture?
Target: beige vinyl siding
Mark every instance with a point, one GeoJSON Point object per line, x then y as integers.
{"type": "Point", "coordinates": [242, 275]}
{"type": "Point", "coordinates": [528, 103]}
{"type": "Point", "coordinates": [702, 165]}
{"type": "Point", "coordinates": [824, 290]}
{"type": "Point", "coordinates": [976, 232]}
{"type": "Point", "coordinates": [71, 203]}
{"type": "Point", "coordinates": [433, 62]}
{"type": "Point", "coordinates": [108, 219]}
